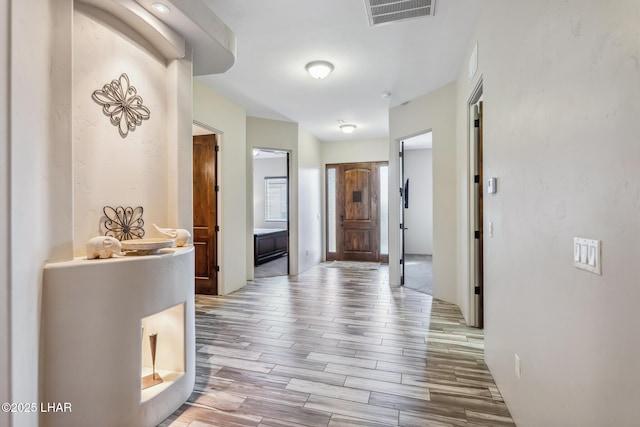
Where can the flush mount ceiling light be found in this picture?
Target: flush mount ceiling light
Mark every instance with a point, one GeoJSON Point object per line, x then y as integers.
{"type": "Point", "coordinates": [161, 8]}
{"type": "Point", "coordinates": [319, 69]}
{"type": "Point", "coordinates": [349, 128]}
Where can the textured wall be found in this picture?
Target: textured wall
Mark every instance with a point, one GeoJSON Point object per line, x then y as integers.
{"type": "Point", "coordinates": [281, 135]}
{"type": "Point", "coordinates": [217, 112]}
{"type": "Point", "coordinates": [309, 201]}
{"type": "Point", "coordinates": [435, 111]}
{"type": "Point", "coordinates": [263, 168]}
{"type": "Point", "coordinates": [108, 169]}
{"type": "Point", "coordinates": [5, 371]}
{"type": "Point", "coordinates": [561, 90]}
{"type": "Point", "coordinates": [419, 217]}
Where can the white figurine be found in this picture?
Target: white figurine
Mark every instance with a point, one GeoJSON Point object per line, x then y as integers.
{"type": "Point", "coordinates": [103, 247]}
{"type": "Point", "coordinates": [180, 235]}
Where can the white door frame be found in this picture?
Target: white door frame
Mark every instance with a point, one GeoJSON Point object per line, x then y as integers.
{"type": "Point", "coordinates": [475, 97]}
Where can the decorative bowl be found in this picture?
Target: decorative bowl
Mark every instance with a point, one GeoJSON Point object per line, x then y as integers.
{"type": "Point", "coordinates": [147, 246]}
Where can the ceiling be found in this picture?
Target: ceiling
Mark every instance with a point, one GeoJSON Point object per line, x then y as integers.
{"type": "Point", "coordinates": [277, 38]}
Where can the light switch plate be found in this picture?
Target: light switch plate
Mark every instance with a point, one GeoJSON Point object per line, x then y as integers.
{"type": "Point", "coordinates": [587, 255]}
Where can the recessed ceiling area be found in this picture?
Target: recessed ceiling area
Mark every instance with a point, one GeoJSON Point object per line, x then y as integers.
{"type": "Point", "coordinates": [277, 38]}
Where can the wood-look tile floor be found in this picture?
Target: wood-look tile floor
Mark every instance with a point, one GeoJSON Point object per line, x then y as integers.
{"type": "Point", "coordinates": [337, 347]}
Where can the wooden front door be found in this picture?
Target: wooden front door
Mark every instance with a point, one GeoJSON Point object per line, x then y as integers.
{"type": "Point", "coordinates": [358, 230]}
{"type": "Point", "coordinates": [205, 213]}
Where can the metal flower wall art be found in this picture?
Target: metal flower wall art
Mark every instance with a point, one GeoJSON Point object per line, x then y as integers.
{"type": "Point", "coordinates": [123, 223]}
{"type": "Point", "coordinates": [122, 104]}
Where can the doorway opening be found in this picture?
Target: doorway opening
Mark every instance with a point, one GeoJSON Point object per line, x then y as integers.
{"type": "Point", "coordinates": [205, 209]}
{"type": "Point", "coordinates": [357, 212]}
{"type": "Point", "coordinates": [476, 209]}
{"type": "Point", "coordinates": [270, 213]}
{"type": "Point", "coordinates": [416, 212]}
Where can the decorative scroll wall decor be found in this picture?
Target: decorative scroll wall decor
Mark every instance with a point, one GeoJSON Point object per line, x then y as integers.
{"type": "Point", "coordinates": [123, 223]}
{"type": "Point", "coordinates": [122, 104]}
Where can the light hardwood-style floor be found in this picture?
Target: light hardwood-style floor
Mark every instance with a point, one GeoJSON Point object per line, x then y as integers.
{"type": "Point", "coordinates": [337, 347]}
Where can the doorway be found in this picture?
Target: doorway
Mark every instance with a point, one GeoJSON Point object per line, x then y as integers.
{"type": "Point", "coordinates": [205, 212]}
{"type": "Point", "coordinates": [417, 212]}
{"type": "Point", "coordinates": [270, 213]}
{"type": "Point", "coordinates": [357, 212]}
{"type": "Point", "coordinates": [476, 208]}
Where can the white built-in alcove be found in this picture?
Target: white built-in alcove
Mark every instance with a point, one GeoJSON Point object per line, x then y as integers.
{"type": "Point", "coordinates": [97, 314]}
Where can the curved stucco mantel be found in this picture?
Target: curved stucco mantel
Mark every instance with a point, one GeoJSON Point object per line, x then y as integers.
{"type": "Point", "coordinates": [189, 23]}
{"type": "Point", "coordinates": [96, 350]}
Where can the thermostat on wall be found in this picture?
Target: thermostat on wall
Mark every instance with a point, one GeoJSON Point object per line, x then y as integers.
{"type": "Point", "coordinates": [492, 185]}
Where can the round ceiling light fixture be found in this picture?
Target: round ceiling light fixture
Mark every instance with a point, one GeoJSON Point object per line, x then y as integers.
{"type": "Point", "coordinates": [319, 69]}
{"type": "Point", "coordinates": [161, 8]}
{"type": "Point", "coordinates": [348, 128]}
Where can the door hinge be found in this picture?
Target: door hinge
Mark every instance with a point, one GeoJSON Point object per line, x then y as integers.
{"type": "Point", "coordinates": [476, 179]}
{"type": "Point", "coordinates": [217, 148]}
{"type": "Point", "coordinates": [217, 188]}
{"type": "Point", "coordinates": [476, 123]}
{"type": "Point", "coordinates": [217, 268]}
{"type": "Point", "coordinates": [476, 234]}
{"type": "Point", "coordinates": [477, 290]}
{"type": "Point", "coordinates": [217, 228]}
{"type": "Point", "coordinates": [400, 154]}
{"type": "Point", "coordinates": [401, 226]}
{"type": "Point", "coordinates": [401, 261]}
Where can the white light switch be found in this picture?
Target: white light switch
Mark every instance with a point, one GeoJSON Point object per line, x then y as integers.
{"type": "Point", "coordinates": [490, 229]}
{"type": "Point", "coordinates": [586, 255]}
{"type": "Point", "coordinates": [583, 253]}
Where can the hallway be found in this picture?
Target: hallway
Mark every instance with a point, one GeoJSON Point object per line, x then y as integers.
{"type": "Point", "coordinates": [337, 347]}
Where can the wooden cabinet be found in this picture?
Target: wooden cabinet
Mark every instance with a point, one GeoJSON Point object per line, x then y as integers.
{"type": "Point", "coordinates": [269, 245]}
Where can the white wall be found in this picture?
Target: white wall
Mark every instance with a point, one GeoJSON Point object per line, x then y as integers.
{"type": "Point", "coordinates": [5, 229]}
{"type": "Point", "coordinates": [419, 217]}
{"type": "Point", "coordinates": [561, 90]}
{"type": "Point", "coordinates": [265, 133]}
{"type": "Point", "coordinates": [216, 112]}
{"type": "Point", "coordinates": [435, 111]}
{"type": "Point", "coordinates": [359, 150]}
{"type": "Point", "coordinates": [40, 164]}
{"type": "Point", "coordinates": [263, 168]}
{"type": "Point", "coordinates": [180, 143]}
{"type": "Point", "coordinates": [110, 170]}
{"type": "Point", "coordinates": [311, 172]}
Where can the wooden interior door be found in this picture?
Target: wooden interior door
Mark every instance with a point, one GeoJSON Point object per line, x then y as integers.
{"type": "Point", "coordinates": [358, 231]}
{"type": "Point", "coordinates": [205, 213]}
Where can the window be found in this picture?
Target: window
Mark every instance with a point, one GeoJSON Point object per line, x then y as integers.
{"type": "Point", "coordinates": [331, 210]}
{"type": "Point", "coordinates": [275, 199]}
{"type": "Point", "coordinates": [384, 210]}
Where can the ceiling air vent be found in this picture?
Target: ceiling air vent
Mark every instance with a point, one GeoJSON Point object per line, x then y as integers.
{"type": "Point", "coordinates": [385, 11]}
